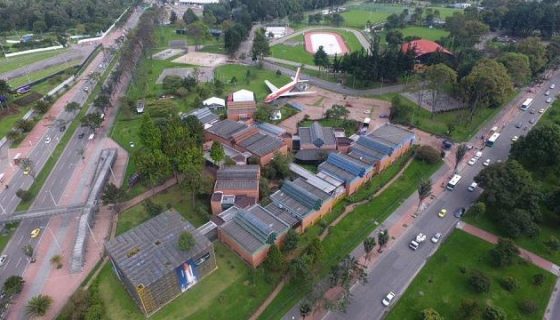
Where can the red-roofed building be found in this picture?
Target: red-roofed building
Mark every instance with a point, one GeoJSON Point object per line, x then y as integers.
{"type": "Point", "coordinates": [423, 48]}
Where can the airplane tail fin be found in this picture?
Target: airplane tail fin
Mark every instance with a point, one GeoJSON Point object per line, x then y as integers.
{"type": "Point", "coordinates": [296, 78]}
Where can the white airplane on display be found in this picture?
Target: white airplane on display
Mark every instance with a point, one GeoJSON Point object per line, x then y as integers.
{"type": "Point", "coordinates": [285, 91]}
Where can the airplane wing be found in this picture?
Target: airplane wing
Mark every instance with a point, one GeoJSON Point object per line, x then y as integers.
{"type": "Point", "coordinates": [297, 93]}
{"type": "Point", "coordinates": [270, 86]}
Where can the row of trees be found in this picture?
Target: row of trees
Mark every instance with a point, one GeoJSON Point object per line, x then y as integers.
{"type": "Point", "coordinates": [89, 16]}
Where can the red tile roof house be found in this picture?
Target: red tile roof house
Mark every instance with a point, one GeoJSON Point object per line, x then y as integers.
{"type": "Point", "coordinates": [235, 186]}
{"type": "Point", "coordinates": [246, 138]}
{"type": "Point", "coordinates": [241, 105]}
{"type": "Point", "coordinates": [423, 48]}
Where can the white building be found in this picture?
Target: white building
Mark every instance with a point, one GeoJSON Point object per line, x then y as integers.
{"type": "Point", "coordinates": [214, 103]}
{"type": "Point", "coordinates": [277, 32]}
{"type": "Point", "coordinates": [243, 96]}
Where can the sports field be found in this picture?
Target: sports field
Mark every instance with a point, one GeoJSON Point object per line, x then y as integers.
{"type": "Point", "coordinates": [9, 64]}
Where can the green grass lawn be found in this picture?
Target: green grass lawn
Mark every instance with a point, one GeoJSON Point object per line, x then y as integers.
{"type": "Point", "coordinates": [7, 121]}
{"type": "Point", "coordinates": [439, 123]}
{"type": "Point", "coordinates": [174, 197]}
{"type": "Point", "coordinates": [256, 81]}
{"type": "Point", "coordinates": [355, 227]}
{"type": "Point", "coordinates": [424, 33]}
{"type": "Point", "coordinates": [233, 291]}
{"type": "Point", "coordinates": [441, 284]}
{"type": "Point", "coordinates": [297, 53]}
{"type": "Point", "coordinates": [16, 82]}
{"type": "Point", "coordinates": [13, 63]}
{"type": "Point", "coordinates": [5, 237]}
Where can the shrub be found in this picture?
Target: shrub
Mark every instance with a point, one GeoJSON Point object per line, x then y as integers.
{"type": "Point", "coordinates": [291, 241]}
{"type": "Point", "coordinates": [528, 306]}
{"type": "Point", "coordinates": [504, 253]}
{"type": "Point", "coordinates": [553, 243]}
{"type": "Point", "coordinates": [493, 313]}
{"type": "Point", "coordinates": [469, 309]}
{"type": "Point", "coordinates": [509, 283]}
{"type": "Point", "coordinates": [538, 279]}
{"type": "Point", "coordinates": [427, 154]}
{"type": "Point", "coordinates": [186, 241]}
{"type": "Point", "coordinates": [479, 281]}
{"type": "Point", "coordinates": [24, 195]}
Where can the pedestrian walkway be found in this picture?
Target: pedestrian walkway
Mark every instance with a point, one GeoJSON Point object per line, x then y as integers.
{"type": "Point", "coordinates": [524, 254]}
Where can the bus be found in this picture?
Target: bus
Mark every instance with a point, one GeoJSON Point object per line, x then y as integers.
{"type": "Point", "coordinates": [490, 142]}
{"type": "Point", "coordinates": [526, 104]}
{"type": "Point", "coordinates": [453, 182]}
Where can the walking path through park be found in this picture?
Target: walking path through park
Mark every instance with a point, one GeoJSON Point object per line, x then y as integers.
{"type": "Point", "coordinates": [524, 254]}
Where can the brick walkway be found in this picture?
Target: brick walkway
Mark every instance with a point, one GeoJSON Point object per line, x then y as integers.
{"type": "Point", "coordinates": [526, 255]}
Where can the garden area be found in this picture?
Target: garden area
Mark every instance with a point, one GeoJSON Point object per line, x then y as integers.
{"type": "Point", "coordinates": [250, 78]}
{"type": "Point", "coordinates": [460, 281]}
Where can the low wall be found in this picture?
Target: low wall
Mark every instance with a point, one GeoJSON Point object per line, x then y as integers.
{"type": "Point", "coordinates": [60, 86]}
{"type": "Point", "coordinates": [104, 33]}
{"type": "Point", "coordinates": [8, 55]}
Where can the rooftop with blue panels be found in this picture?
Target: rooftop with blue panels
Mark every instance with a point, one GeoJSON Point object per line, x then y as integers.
{"type": "Point", "coordinates": [299, 198]}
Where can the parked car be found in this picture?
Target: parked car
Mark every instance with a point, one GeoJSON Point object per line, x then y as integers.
{"type": "Point", "coordinates": [436, 237]}
{"type": "Point", "coordinates": [3, 259]}
{"type": "Point", "coordinates": [541, 110]}
{"type": "Point", "coordinates": [552, 86]}
{"type": "Point", "coordinates": [519, 125]}
{"type": "Point", "coordinates": [478, 155]}
{"type": "Point", "coordinates": [473, 186]}
{"type": "Point", "coordinates": [415, 243]}
{"type": "Point", "coordinates": [532, 121]}
{"type": "Point", "coordinates": [442, 213]}
{"type": "Point", "coordinates": [388, 298]}
{"type": "Point", "coordinates": [447, 144]}
{"type": "Point", "coordinates": [81, 135]}
{"type": "Point", "coordinates": [48, 140]}
{"type": "Point", "coordinates": [514, 138]}
{"type": "Point", "coordinates": [486, 163]}
{"type": "Point", "coordinates": [472, 161]}
{"type": "Point", "coordinates": [548, 100]}
{"type": "Point", "coordinates": [532, 111]}
{"type": "Point", "coordinates": [459, 212]}
{"type": "Point", "coordinates": [547, 93]}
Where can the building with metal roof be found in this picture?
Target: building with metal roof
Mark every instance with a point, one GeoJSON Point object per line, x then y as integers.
{"type": "Point", "coordinates": [235, 186]}
{"type": "Point", "coordinates": [250, 232]}
{"type": "Point", "coordinates": [249, 139]}
{"type": "Point", "coordinates": [214, 103]}
{"type": "Point", "coordinates": [315, 142]}
{"type": "Point", "coordinates": [150, 264]}
{"type": "Point", "coordinates": [206, 117]}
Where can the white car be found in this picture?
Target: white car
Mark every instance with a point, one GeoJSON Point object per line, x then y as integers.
{"type": "Point", "coordinates": [388, 298]}
{"type": "Point", "coordinates": [478, 155]}
{"type": "Point", "coordinates": [486, 163]}
{"type": "Point", "coordinates": [552, 86]}
{"type": "Point", "coordinates": [48, 140]}
{"type": "Point", "coordinates": [548, 100]}
{"type": "Point", "coordinates": [541, 110]}
{"type": "Point", "coordinates": [3, 259]}
{"type": "Point", "coordinates": [514, 138]}
{"type": "Point", "coordinates": [547, 93]}
{"type": "Point", "coordinates": [86, 89]}
{"type": "Point", "coordinates": [436, 237]}
{"type": "Point", "coordinates": [473, 186]}
{"type": "Point", "coordinates": [472, 161]}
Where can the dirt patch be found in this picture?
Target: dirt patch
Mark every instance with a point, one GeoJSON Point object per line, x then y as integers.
{"type": "Point", "coordinates": [202, 59]}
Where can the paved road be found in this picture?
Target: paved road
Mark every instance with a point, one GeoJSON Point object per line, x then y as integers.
{"type": "Point", "coordinates": [76, 52]}
{"type": "Point", "coordinates": [52, 191]}
{"type": "Point", "coordinates": [398, 265]}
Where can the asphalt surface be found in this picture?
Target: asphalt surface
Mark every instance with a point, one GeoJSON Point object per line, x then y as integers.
{"type": "Point", "coordinates": [398, 265]}
{"type": "Point", "coordinates": [52, 191]}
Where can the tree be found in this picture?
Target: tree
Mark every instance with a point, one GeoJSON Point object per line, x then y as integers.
{"type": "Point", "coordinates": [24, 125]}
{"type": "Point", "coordinates": [260, 46]}
{"type": "Point", "coordinates": [41, 106]}
{"type": "Point", "coordinates": [305, 309]}
{"type": "Point", "coordinates": [217, 152]}
{"type": "Point", "coordinates": [539, 148]}
{"type": "Point", "coordinates": [300, 270]}
{"type": "Point", "coordinates": [479, 281]}
{"type": "Point", "coordinates": [198, 31]}
{"type": "Point", "coordinates": [291, 241]}
{"type": "Point", "coordinates": [394, 38]}
{"type": "Point", "coordinates": [464, 30]}
{"type": "Point", "coordinates": [488, 84]}
{"type": "Point", "coordinates": [71, 107]}
{"type": "Point", "coordinates": [503, 253]}
{"type": "Point", "coordinates": [401, 112]}
{"type": "Point", "coordinates": [512, 198]}
{"type": "Point", "coordinates": [424, 190]}
{"type": "Point", "coordinates": [152, 165]}
{"type": "Point", "coordinates": [383, 238]}
{"type": "Point", "coordinates": [233, 37]}
{"type": "Point", "coordinates": [38, 305]}
{"type": "Point", "coordinates": [113, 195]}
{"type": "Point", "coordinates": [149, 133]}
{"type": "Point", "coordinates": [369, 244]}
{"type": "Point", "coordinates": [431, 314]}
{"type": "Point", "coordinates": [172, 17]}
{"type": "Point", "coordinates": [296, 17]}
{"type": "Point", "coordinates": [102, 101]}
{"type": "Point", "coordinates": [189, 16]}
{"type": "Point", "coordinates": [337, 112]}
{"type": "Point", "coordinates": [24, 195]}
{"type": "Point", "coordinates": [57, 261]}
{"type": "Point", "coordinates": [186, 241]}
{"type": "Point", "coordinates": [469, 309]}
{"type": "Point", "coordinates": [28, 250]}
{"type": "Point", "coordinates": [440, 78]}
{"type": "Point", "coordinates": [535, 50]}
{"type": "Point", "coordinates": [427, 154]}
{"type": "Point", "coordinates": [517, 66]}
{"type": "Point", "coordinates": [337, 19]}
{"type": "Point", "coordinates": [275, 260]}
{"type": "Point", "coordinates": [320, 58]}
{"type": "Point", "coordinates": [315, 250]}
{"type": "Point", "coordinates": [152, 208]}
{"type": "Point", "coordinates": [208, 18]}
{"type": "Point", "coordinates": [91, 120]}
{"type": "Point", "coordinates": [477, 209]}
{"type": "Point", "coordinates": [13, 285]}
{"type": "Point", "coordinates": [460, 154]}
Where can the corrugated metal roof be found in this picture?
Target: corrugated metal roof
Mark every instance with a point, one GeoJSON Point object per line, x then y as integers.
{"type": "Point", "coordinates": [271, 129]}
{"type": "Point", "coordinates": [226, 128]}
{"type": "Point", "coordinates": [346, 163]}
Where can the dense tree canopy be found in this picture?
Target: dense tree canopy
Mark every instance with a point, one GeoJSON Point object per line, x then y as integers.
{"type": "Point", "coordinates": [488, 84]}
{"type": "Point", "coordinates": [86, 16]}
{"type": "Point", "coordinates": [517, 66]}
{"type": "Point", "coordinates": [539, 148]}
